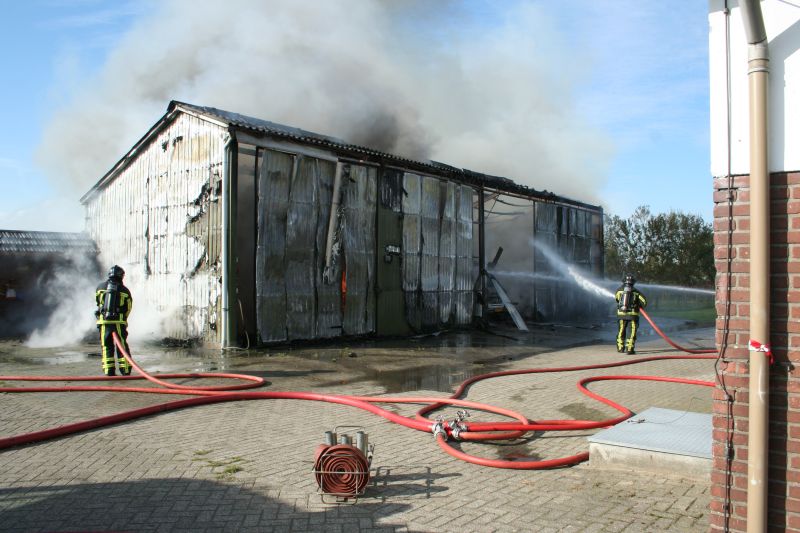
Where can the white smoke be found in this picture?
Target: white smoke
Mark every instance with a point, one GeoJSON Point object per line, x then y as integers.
{"type": "Point", "coordinates": [69, 294]}
{"type": "Point", "coordinates": [406, 77]}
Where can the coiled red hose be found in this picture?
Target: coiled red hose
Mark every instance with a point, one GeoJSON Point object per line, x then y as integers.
{"type": "Point", "coordinates": [341, 470]}
{"type": "Point", "coordinates": [472, 431]}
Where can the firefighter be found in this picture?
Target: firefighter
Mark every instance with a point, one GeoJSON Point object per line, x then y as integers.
{"type": "Point", "coordinates": [114, 304]}
{"type": "Point", "coordinates": [629, 301]}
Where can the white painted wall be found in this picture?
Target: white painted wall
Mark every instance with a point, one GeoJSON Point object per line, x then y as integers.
{"type": "Point", "coordinates": [782, 21]}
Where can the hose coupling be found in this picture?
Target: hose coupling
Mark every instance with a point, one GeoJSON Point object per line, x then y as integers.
{"type": "Point", "coordinates": [456, 427]}
{"type": "Point", "coordinates": [457, 424]}
{"type": "Point", "coordinates": [438, 429]}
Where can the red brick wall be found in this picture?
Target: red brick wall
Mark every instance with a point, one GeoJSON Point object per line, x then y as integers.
{"type": "Point", "coordinates": [731, 239]}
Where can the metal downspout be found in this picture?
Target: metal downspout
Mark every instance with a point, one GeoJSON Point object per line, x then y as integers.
{"type": "Point", "coordinates": [226, 211]}
{"type": "Point", "coordinates": [758, 417]}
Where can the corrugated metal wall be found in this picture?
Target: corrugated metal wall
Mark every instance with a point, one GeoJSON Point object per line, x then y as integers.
{"type": "Point", "coordinates": [576, 236]}
{"type": "Point", "coordinates": [438, 276]}
{"type": "Point", "coordinates": [294, 201]}
{"type": "Point", "coordinates": [359, 196]}
{"type": "Point", "coordinates": [160, 219]}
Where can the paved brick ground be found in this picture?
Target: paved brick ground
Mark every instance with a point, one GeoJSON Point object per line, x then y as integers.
{"type": "Point", "coordinates": [246, 466]}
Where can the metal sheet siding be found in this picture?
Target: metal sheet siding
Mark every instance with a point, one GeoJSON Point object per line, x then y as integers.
{"type": "Point", "coordinates": [273, 206]}
{"type": "Point", "coordinates": [438, 274]}
{"type": "Point", "coordinates": [546, 232]}
{"type": "Point", "coordinates": [329, 295]}
{"type": "Point", "coordinates": [447, 250]}
{"type": "Point", "coordinates": [359, 203]}
{"type": "Point", "coordinates": [412, 231]}
{"type": "Point", "coordinates": [575, 235]}
{"type": "Point", "coordinates": [160, 219]}
{"type": "Point", "coordinates": [464, 276]}
{"type": "Point", "coordinates": [293, 301]}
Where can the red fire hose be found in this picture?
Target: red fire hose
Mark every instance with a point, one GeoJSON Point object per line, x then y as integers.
{"type": "Point", "coordinates": [670, 341]}
{"type": "Point", "coordinates": [442, 430]}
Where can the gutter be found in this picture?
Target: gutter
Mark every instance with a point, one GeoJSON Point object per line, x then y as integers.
{"type": "Point", "coordinates": [759, 345]}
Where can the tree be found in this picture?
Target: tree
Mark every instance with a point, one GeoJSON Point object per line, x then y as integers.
{"type": "Point", "coordinates": [672, 248]}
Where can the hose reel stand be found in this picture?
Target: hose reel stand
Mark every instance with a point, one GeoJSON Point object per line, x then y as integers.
{"type": "Point", "coordinates": [342, 465]}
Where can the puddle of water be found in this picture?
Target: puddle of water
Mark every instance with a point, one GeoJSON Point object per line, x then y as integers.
{"type": "Point", "coordinates": [581, 411]}
{"type": "Point", "coordinates": [441, 378]}
{"type": "Point", "coordinates": [519, 454]}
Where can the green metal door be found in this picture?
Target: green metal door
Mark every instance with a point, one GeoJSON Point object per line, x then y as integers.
{"type": "Point", "coordinates": [391, 306]}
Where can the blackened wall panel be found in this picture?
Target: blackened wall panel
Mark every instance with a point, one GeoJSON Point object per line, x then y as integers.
{"type": "Point", "coordinates": [359, 186]}
{"type": "Point", "coordinates": [429, 280]}
{"type": "Point", "coordinates": [412, 247]}
{"type": "Point", "coordinates": [390, 299]}
{"type": "Point", "coordinates": [447, 250]}
{"type": "Point", "coordinates": [464, 276]}
{"type": "Point", "coordinates": [329, 295]}
{"type": "Point", "coordinates": [273, 205]}
{"type": "Point", "coordinates": [301, 236]}
{"type": "Point", "coordinates": [546, 231]}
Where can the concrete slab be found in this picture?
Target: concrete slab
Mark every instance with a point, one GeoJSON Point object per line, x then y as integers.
{"type": "Point", "coordinates": [657, 440]}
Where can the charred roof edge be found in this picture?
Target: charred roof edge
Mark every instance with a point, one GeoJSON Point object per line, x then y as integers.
{"type": "Point", "coordinates": [236, 121]}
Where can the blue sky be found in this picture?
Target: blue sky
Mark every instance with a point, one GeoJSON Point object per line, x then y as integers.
{"type": "Point", "coordinates": [637, 74]}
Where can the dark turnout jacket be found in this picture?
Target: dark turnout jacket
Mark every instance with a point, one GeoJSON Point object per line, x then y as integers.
{"type": "Point", "coordinates": [638, 301]}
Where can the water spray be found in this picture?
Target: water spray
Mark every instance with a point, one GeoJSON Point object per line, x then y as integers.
{"type": "Point", "coordinates": [581, 279]}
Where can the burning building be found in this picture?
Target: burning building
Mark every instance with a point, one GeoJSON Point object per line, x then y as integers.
{"type": "Point", "coordinates": [242, 230]}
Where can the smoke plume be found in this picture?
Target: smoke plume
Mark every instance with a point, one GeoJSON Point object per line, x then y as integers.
{"type": "Point", "coordinates": [440, 82]}
{"type": "Point", "coordinates": [66, 297]}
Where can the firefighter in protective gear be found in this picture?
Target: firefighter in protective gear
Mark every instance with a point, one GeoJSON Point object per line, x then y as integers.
{"type": "Point", "coordinates": [114, 304]}
{"type": "Point", "coordinates": [629, 301]}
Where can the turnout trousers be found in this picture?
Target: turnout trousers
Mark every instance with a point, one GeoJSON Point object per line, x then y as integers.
{"type": "Point", "coordinates": [626, 342]}
{"type": "Point", "coordinates": [110, 350]}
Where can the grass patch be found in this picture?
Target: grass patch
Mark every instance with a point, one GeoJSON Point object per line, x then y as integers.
{"type": "Point", "coordinates": [232, 469]}
{"type": "Point", "coordinates": [222, 468]}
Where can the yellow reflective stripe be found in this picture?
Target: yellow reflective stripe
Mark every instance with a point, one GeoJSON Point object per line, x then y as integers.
{"type": "Point", "coordinates": [632, 338]}
{"type": "Point", "coordinates": [123, 363]}
{"type": "Point", "coordinates": [108, 359]}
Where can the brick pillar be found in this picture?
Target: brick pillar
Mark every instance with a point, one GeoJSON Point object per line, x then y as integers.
{"type": "Point", "coordinates": [732, 252]}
